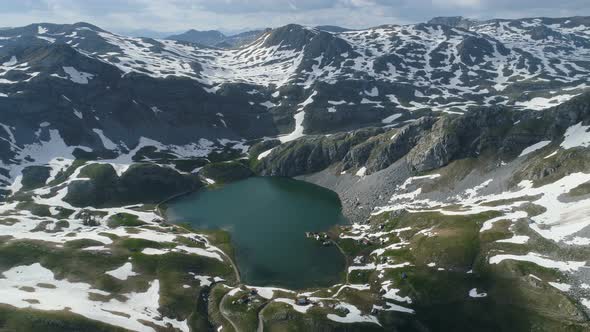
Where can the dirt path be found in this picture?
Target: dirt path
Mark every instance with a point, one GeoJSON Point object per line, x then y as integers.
{"type": "Point", "coordinates": [260, 320]}
{"type": "Point", "coordinates": [224, 313]}
{"type": "Point", "coordinates": [162, 215]}
{"type": "Point", "coordinates": [346, 261]}
{"type": "Point", "coordinates": [158, 211]}
{"type": "Point", "coordinates": [234, 267]}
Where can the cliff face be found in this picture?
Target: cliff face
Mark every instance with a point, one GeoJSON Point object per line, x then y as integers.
{"type": "Point", "coordinates": [427, 143]}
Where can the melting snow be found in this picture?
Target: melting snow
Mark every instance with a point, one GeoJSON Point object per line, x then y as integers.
{"type": "Point", "coordinates": [391, 118]}
{"type": "Point", "coordinates": [394, 307]}
{"type": "Point", "coordinates": [534, 147]}
{"type": "Point", "coordinates": [576, 135]}
{"type": "Point", "coordinates": [474, 293]}
{"type": "Point", "coordinates": [13, 61]}
{"type": "Point", "coordinates": [78, 114]}
{"type": "Point", "coordinates": [298, 132]}
{"type": "Point", "coordinates": [541, 261]}
{"type": "Point", "coordinates": [123, 272]}
{"type": "Point", "coordinates": [106, 142]}
{"type": "Point", "coordinates": [299, 308]}
{"type": "Point", "coordinates": [75, 298]}
{"type": "Point", "coordinates": [361, 172]}
{"type": "Point", "coordinates": [520, 239]}
{"type": "Point", "coordinates": [540, 103]}
{"type": "Point", "coordinates": [77, 76]}
{"type": "Point", "coordinates": [561, 286]}
{"type": "Point", "coordinates": [264, 154]}
{"type": "Point", "coordinates": [354, 315]}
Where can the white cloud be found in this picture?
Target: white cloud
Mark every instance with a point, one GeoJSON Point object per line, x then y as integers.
{"type": "Point", "coordinates": [361, 3]}
{"type": "Point", "coordinates": [457, 3]}
{"type": "Point", "coordinates": [178, 15]}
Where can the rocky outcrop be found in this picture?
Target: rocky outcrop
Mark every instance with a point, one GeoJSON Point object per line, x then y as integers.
{"type": "Point", "coordinates": [35, 177]}
{"type": "Point", "coordinates": [496, 131]}
{"type": "Point", "coordinates": [435, 149]}
{"type": "Point", "coordinates": [393, 148]}
{"type": "Point", "coordinates": [141, 183]}
{"type": "Point", "coordinates": [313, 153]}
{"type": "Point", "coordinates": [260, 147]}
{"type": "Point", "coordinates": [226, 172]}
{"type": "Point", "coordinates": [429, 142]}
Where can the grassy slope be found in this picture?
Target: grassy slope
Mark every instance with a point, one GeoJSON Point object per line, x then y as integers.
{"type": "Point", "coordinates": [440, 297]}
{"type": "Point", "coordinates": [76, 265]}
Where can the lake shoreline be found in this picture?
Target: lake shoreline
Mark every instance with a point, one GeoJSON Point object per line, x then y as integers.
{"type": "Point", "coordinates": [323, 206]}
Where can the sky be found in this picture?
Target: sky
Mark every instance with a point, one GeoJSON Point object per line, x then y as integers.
{"type": "Point", "coordinates": [132, 16]}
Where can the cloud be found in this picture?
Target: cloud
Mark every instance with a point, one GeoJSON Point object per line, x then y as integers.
{"type": "Point", "coordinates": [457, 3]}
{"type": "Point", "coordinates": [178, 15]}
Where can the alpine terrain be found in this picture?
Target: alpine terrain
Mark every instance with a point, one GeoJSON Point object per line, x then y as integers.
{"type": "Point", "coordinates": [459, 150]}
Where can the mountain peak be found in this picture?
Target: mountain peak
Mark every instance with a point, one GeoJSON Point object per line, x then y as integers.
{"type": "Point", "coordinates": [214, 38]}
{"type": "Point", "coordinates": [207, 38]}
{"type": "Point", "coordinates": [86, 25]}
{"type": "Point", "coordinates": [294, 35]}
{"type": "Point", "coordinates": [332, 28]}
{"type": "Point", "coordinates": [454, 21]}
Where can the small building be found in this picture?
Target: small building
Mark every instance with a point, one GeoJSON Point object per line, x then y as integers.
{"type": "Point", "coordinates": [342, 310]}
{"type": "Point", "coordinates": [302, 300]}
{"type": "Point", "coordinates": [157, 220]}
{"type": "Point", "coordinates": [88, 218]}
{"type": "Point", "coordinates": [365, 242]}
{"type": "Point", "coordinates": [243, 299]}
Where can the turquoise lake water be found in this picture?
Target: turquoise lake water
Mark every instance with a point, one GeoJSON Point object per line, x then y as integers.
{"type": "Point", "coordinates": [267, 218]}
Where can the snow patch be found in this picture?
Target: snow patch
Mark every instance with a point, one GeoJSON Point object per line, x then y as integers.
{"type": "Point", "coordinates": [566, 266]}
{"type": "Point", "coordinates": [76, 76]}
{"type": "Point", "coordinates": [264, 154]}
{"type": "Point", "coordinates": [561, 286]}
{"type": "Point", "coordinates": [123, 272]}
{"type": "Point", "coordinates": [534, 147]}
{"type": "Point", "coordinates": [474, 293]}
{"type": "Point", "coordinates": [519, 239]}
{"type": "Point", "coordinates": [575, 136]}
{"type": "Point", "coordinates": [354, 315]}
{"type": "Point", "coordinates": [391, 118]}
{"type": "Point", "coordinates": [137, 307]}
{"type": "Point", "coordinates": [106, 142]}
{"type": "Point", "coordinates": [362, 171]}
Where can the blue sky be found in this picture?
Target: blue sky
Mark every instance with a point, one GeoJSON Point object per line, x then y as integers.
{"type": "Point", "coordinates": [237, 15]}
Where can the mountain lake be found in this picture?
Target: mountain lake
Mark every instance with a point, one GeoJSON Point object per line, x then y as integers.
{"type": "Point", "coordinates": [267, 218]}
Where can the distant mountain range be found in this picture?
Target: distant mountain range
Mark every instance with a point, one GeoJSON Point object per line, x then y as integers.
{"type": "Point", "coordinates": [455, 21]}
{"type": "Point", "coordinates": [78, 77]}
{"type": "Point", "coordinates": [214, 38]}
{"type": "Point", "coordinates": [332, 28]}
